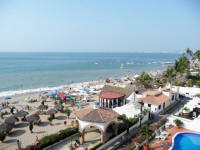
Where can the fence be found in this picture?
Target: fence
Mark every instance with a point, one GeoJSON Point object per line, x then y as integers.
{"type": "Point", "coordinates": [121, 138]}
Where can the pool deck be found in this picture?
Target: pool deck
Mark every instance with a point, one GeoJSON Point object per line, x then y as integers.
{"type": "Point", "coordinates": [158, 144]}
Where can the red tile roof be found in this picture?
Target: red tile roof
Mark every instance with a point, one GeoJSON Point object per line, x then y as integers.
{"type": "Point", "coordinates": [100, 115]}
{"type": "Point", "coordinates": [111, 95]}
{"type": "Point", "coordinates": [155, 100]}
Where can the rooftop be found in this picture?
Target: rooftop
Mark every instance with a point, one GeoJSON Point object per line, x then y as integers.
{"type": "Point", "coordinates": [111, 95]}
{"type": "Point", "coordinates": [155, 100]}
{"type": "Point", "coordinates": [100, 115]}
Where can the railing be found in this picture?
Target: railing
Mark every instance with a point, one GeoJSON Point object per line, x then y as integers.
{"type": "Point", "coordinates": [74, 137]}
{"type": "Point", "coordinates": [121, 137]}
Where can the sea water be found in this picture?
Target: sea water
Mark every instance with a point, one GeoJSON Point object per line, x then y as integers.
{"type": "Point", "coordinates": [25, 71]}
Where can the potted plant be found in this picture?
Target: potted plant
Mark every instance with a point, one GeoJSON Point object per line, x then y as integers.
{"type": "Point", "coordinates": [178, 123]}
{"type": "Point", "coordinates": [2, 136]}
{"type": "Point", "coordinates": [147, 131]}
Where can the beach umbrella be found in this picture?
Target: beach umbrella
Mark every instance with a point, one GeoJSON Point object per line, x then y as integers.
{"type": "Point", "coordinates": [7, 98]}
{"type": "Point", "coordinates": [51, 112]}
{"type": "Point", "coordinates": [6, 127]}
{"type": "Point", "coordinates": [43, 107]}
{"type": "Point", "coordinates": [117, 79]}
{"type": "Point", "coordinates": [33, 118]}
{"type": "Point", "coordinates": [59, 107]}
{"type": "Point", "coordinates": [52, 94]}
{"type": "Point", "coordinates": [11, 120]}
{"type": "Point", "coordinates": [45, 92]}
{"type": "Point", "coordinates": [21, 113]}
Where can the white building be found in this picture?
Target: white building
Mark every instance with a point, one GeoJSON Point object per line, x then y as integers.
{"type": "Point", "coordinates": [158, 100]}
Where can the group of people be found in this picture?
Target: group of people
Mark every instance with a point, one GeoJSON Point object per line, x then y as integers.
{"type": "Point", "coordinates": [5, 104]}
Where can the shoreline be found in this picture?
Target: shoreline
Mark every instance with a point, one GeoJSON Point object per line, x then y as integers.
{"type": "Point", "coordinates": [19, 94]}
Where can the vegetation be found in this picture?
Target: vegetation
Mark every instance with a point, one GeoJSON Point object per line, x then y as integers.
{"type": "Point", "coordinates": [50, 118]}
{"type": "Point", "coordinates": [31, 127]}
{"type": "Point", "coordinates": [60, 102]}
{"type": "Point", "coordinates": [72, 103]}
{"type": "Point", "coordinates": [53, 138]}
{"type": "Point", "coordinates": [145, 79]}
{"type": "Point", "coordinates": [186, 109]}
{"type": "Point", "coordinates": [198, 95]}
{"type": "Point", "coordinates": [67, 112]}
{"type": "Point", "coordinates": [128, 122]}
{"type": "Point", "coordinates": [178, 122]}
{"type": "Point", "coordinates": [146, 130]}
{"type": "Point", "coordinates": [2, 136]}
{"type": "Point", "coordinates": [1, 115]}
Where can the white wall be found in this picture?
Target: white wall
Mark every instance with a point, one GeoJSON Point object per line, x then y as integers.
{"type": "Point", "coordinates": [191, 90]}
{"type": "Point", "coordinates": [102, 126]}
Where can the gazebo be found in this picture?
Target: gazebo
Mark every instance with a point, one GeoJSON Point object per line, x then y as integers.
{"type": "Point", "coordinates": [111, 99]}
{"type": "Point", "coordinates": [103, 119]}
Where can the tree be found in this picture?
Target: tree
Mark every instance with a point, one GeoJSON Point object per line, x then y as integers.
{"type": "Point", "coordinates": [67, 112]}
{"type": "Point", "coordinates": [60, 102]}
{"type": "Point", "coordinates": [72, 103]}
{"type": "Point", "coordinates": [145, 79]}
{"type": "Point", "coordinates": [182, 64]}
{"type": "Point", "coordinates": [147, 131]}
{"type": "Point", "coordinates": [189, 52]}
{"type": "Point", "coordinates": [197, 55]}
{"type": "Point", "coordinates": [31, 127]}
{"type": "Point", "coordinates": [2, 136]}
{"type": "Point", "coordinates": [170, 73]}
{"type": "Point", "coordinates": [50, 120]}
{"type": "Point", "coordinates": [127, 121]}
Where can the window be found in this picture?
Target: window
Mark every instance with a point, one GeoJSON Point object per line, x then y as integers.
{"type": "Point", "coordinates": [149, 105]}
{"type": "Point", "coordinates": [159, 106]}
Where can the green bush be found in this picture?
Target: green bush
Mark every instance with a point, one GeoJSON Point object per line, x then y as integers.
{"type": "Point", "coordinates": [2, 136]}
{"type": "Point", "coordinates": [178, 122]}
{"type": "Point", "coordinates": [96, 146]}
{"type": "Point", "coordinates": [53, 138]}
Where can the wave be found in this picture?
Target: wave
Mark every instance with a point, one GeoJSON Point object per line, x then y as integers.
{"type": "Point", "coordinates": [18, 92]}
{"type": "Point", "coordinates": [28, 91]}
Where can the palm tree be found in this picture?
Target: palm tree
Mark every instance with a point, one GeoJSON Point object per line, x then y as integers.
{"type": "Point", "coordinates": [67, 112]}
{"type": "Point", "coordinates": [147, 131]}
{"type": "Point", "coordinates": [189, 52]}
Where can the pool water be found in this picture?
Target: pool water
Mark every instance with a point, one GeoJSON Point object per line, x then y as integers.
{"type": "Point", "coordinates": [187, 141]}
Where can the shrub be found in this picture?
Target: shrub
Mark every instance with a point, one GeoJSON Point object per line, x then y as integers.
{"type": "Point", "coordinates": [178, 122]}
{"type": "Point", "coordinates": [53, 138]}
{"type": "Point", "coordinates": [2, 136]}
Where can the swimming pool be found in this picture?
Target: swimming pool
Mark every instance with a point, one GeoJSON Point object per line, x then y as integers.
{"type": "Point", "coordinates": [186, 141]}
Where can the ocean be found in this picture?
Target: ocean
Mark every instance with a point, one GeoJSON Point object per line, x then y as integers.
{"type": "Point", "coordinates": [26, 71]}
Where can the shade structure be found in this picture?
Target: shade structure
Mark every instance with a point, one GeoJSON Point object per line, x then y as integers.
{"type": "Point", "coordinates": [52, 94]}
{"type": "Point", "coordinates": [33, 118]}
{"type": "Point", "coordinates": [45, 92]}
{"type": "Point", "coordinates": [7, 98]}
{"type": "Point", "coordinates": [51, 112]}
{"type": "Point", "coordinates": [43, 107]}
{"type": "Point", "coordinates": [21, 113]}
{"type": "Point", "coordinates": [6, 127]}
{"type": "Point", "coordinates": [59, 107]}
{"type": "Point", "coordinates": [117, 79]}
{"type": "Point", "coordinates": [11, 120]}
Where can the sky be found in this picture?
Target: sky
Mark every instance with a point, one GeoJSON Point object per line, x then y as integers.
{"type": "Point", "coordinates": [99, 25]}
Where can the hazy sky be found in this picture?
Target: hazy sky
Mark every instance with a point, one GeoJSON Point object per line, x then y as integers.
{"type": "Point", "coordinates": [99, 25]}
